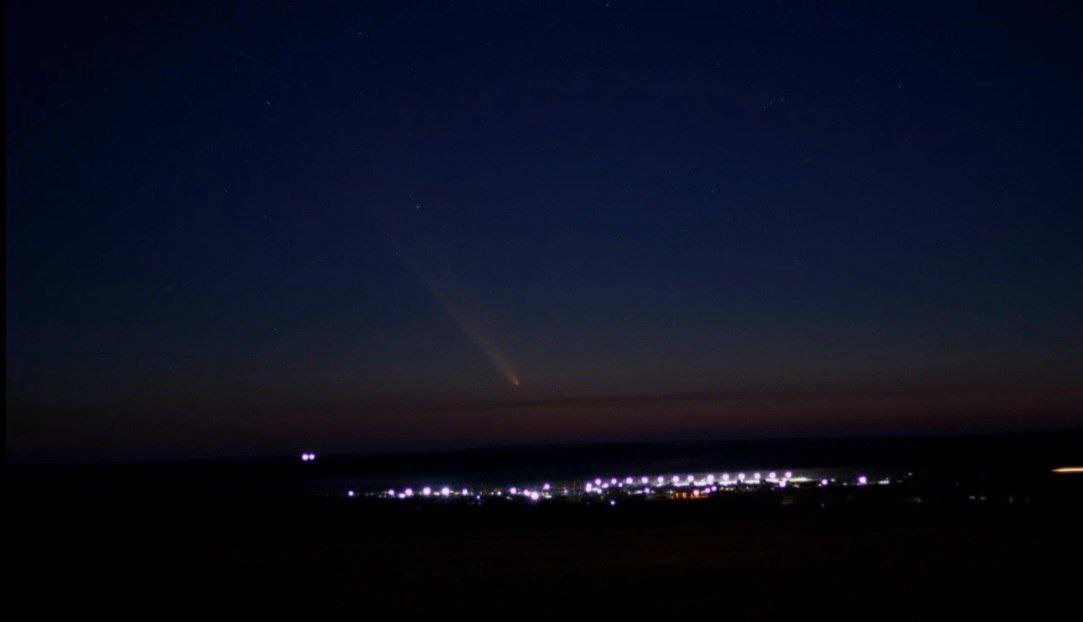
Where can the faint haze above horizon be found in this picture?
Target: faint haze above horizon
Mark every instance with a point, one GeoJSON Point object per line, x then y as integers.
{"type": "Point", "coordinates": [259, 228]}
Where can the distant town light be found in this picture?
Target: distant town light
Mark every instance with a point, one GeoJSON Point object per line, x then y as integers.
{"type": "Point", "coordinates": [669, 486]}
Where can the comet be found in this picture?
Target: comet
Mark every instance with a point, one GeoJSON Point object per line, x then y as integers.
{"type": "Point", "coordinates": [472, 329]}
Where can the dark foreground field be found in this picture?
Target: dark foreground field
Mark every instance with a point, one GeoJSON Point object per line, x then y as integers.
{"type": "Point", "coordinates": [321, 557]}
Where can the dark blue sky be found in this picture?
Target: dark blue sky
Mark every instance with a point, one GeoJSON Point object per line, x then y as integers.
{"type": "Point", "coordinates": [254, 227]}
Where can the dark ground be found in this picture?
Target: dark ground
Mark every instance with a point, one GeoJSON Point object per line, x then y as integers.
{"type": "Point", "coordinates": [251, 540]}
{"type": "Point", "coordinates": [867, 558]}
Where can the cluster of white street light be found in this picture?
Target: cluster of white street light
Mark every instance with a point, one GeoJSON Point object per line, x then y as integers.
{"type": "Point", "coordinates": [653, 486]}
{"type": "Point", "coordinates": [545, 491]}
{"type": "Point", "coordinates": [703, 482]}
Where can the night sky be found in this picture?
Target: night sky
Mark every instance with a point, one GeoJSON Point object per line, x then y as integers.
{"type": "Point", "coordinates": [250, 228]}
